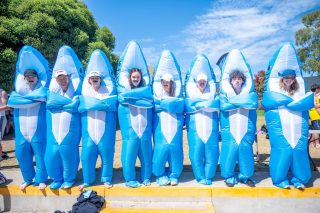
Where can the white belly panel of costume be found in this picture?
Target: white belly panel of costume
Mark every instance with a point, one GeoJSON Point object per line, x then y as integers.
{"type": "Point", "coordinates": [291, 123]}
{"type": "Point", "coordinates": [203, 121]}
{"type": "Point", "coordinates": [28, 120]}
{"type": "Point", "coordinates": [61, 125]}
{"type": "Point", "coordinates": [138, 119]}
{"type": "Point", "coordinates": [96, 125]}
{"type": "Point", "coordinates": [238, 120]}
{"type": "Point", "coordinates": [168, 125]}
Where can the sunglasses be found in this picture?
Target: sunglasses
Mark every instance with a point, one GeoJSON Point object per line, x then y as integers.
{"type": "Point", "coordinates": [30, 75]}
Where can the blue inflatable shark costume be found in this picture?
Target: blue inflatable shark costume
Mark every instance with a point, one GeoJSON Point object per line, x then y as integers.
{"type": "Point", "coordinates": [168, 122]}
{"type": "Point", "coordinates": [99, 116]}
{"type": "Point", "coordinates": [135, 116]}
{"type": "Point", "coordinates": [202, 121]}
{"type": "Point", "coordinates": [238, 121]}
{"type": "Point", "coordinates": [63, 122]}
{"type": "Point", "coordinates": [30, 115]}
{"type": "Point", "coordinates": [287, 121]}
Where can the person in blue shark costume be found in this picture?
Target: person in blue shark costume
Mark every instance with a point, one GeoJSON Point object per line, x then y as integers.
{"type": "Point", "coordinates": [201, 107]}
{"type": "Point", "coordinates": [168, 120]}
{"type": "Point", "coordinates": [286, 107]}
{"type": "Point", "coordinates": [63, 119]}
{"type": "Point", "coordinates": [238, 103]}
{"type": "Point", "coordinates": [28, 101]}
{"type": "Point", "coordinates": [135, 114]}
{"type": "Point", "coordinates": [98, 108]}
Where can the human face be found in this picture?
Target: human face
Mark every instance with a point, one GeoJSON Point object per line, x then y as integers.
{"type": "Point", "coordinates": [236, 83]}
{"type": "Point", "coordinates": [201, 84]}
{"type": "Point", "coordinates": [288, 80]}
{"type": "Point", "coordinates": [166, 85]}
{"type": "Point", "coordinates": [95, 81]}
{"type": "Point", "coordinates": [135, 78]}
{"type": "Point", "coordinates": [63, 81]}
{"type": "Point", "coordinates": [31, 80]}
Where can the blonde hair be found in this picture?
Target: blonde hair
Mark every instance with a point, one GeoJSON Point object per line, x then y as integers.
{"type": "Point", "coordinates": [292, 88]}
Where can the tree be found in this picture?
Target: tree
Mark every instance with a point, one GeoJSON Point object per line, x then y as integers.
{"type": "Point", "coordinates": [47, 25]}
{"type": "Point", "coordinates": [308, 41]}
{"type": "Point", "coordinates": [259, 79]}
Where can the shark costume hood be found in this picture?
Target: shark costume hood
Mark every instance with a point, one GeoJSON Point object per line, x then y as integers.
{"type": "Point", "coordinates": [98, 117]}
{"type": "Point", "coordinates": [287, 120]}
{"type": "Point", "coordinates": [238, 120]}
{"type": "Point", "coordinates": [202, 120]}
{"type": "Point", "coordinates": [168, 121]}
{"type": "Point", "coordinates": [30, 116]}
{"type": "Point", "coordinates": [135, 116]}
{"type": "Point", "coordinates": [63, 121]}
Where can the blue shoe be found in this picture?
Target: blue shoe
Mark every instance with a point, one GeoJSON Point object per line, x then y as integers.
{"type": "Point", "coordinates": [163, 181]}
{"type": "Point", "coordinates": [299, 186]}
{"type": "Point", "coordinates": [67, 185]}
{"type": "Point", "coordinates": [146, 182]}
{"type": "Point", "coordinates": [133, 184]}
{"type": "Point", "coordinates": [208, 182]}
{"type": "Point", "coordinates": [174, 181]}
{"type": "Point", "coordinates": [230, 182]}
{"type": "Point", "coordinates": [55, 184]}
{"type": "Point", "coordinates": [203, 182]}
{"type": "Point", "coordinates": [283, 185]}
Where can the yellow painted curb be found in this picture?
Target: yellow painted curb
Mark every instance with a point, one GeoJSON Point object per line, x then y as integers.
{"type": "Point", "coordinates": [208, 208]}
{"type": "Point", "coordinates": [117, 191]}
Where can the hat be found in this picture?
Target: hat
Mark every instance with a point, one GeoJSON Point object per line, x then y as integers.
{"type": "Point", "coordinates": [31, 72]}
{"type": "Point", "coordinates": [202, 77]}
{"type": "Point", "coordinates": [287, 72]}
{"type": "Point", "coordinates": [167, 77]}
{"type": "Point", "coordinates": [60, 72]}
{"type": "Point", "coordinates": [94, 73]}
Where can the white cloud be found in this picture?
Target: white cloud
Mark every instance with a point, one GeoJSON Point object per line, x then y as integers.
{"type": "Point", "coordinates": [257, 28]}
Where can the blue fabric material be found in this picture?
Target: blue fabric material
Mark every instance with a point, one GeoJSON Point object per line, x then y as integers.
{"type": "Point", "coordinates": [193, 105]}
{"type": "Point", "coordinates": [134, 104]}
{"type": "Point", "coordinates": [246, 101]}
{"type": "Point", "coordinates": [139, 97]}
{"type": "Point", "coordinates": [203, 151]}
{"type": "Point", "coordinates": [242, 104]}
{"type": "Point", "coordinates": [62, 153]}
{"type": "Point", "coordinates": [284, 157]}
{"type": "Point", "coordinates": [168, 151]}
{"type": "Point", "coordinates": [94, 109]}
{"type": "Point", "coordinates": [89, 103]}
{"type": "Point", "coordinates": [17, 100]}
{"type": "Point", "coordinates": [27, 107]}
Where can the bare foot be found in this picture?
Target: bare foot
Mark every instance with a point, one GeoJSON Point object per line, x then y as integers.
{"type": "Point", "coordinates": [81, 187]}
{"type": "Point", "coordinates": [107, 185]}
{"type": "Point", "coordinates": [42, 186]}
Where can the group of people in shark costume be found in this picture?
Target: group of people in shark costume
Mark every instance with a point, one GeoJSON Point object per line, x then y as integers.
{"type": "Point", "coordinates": [54, 110]}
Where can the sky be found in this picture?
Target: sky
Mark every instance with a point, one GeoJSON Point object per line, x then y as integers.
{"type": "Point", "coordinates": [190, 27]}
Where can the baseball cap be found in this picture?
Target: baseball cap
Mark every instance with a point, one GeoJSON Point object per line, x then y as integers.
{"type": "Point", "coordinates": [202, 77]}
{"type": "Point", "coordinates": [94, 73]}
{"type": "Point", "coordinates": [167, 77]}
{"type": "Point", "coordinates": [60, 72]}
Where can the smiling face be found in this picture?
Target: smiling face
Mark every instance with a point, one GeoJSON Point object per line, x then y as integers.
{"type": "Point", "coordinates": [63, 81]}
{"type": "Point", "coordinates": [167, 87]}
{"type": "Point", "coordinates": [95, 82]}
{"type": "Point", "coordinates": [31, 77]}
{"type": "Point", "coordinates": [288, 80]}
{"type": "Point", "coordinates": [201, 84]}
{"type": "Point", "coordinates": [135, 78]}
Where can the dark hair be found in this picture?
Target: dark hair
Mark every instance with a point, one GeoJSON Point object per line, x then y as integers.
{"type": "Point", "coordinates": [314, 87]}
{"type": "Point", "coordinates": [141, 81]}
{"type": "Point", "coordinates": [30, 71]}
{"type": "Point", "coordinates": [237, 73]}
